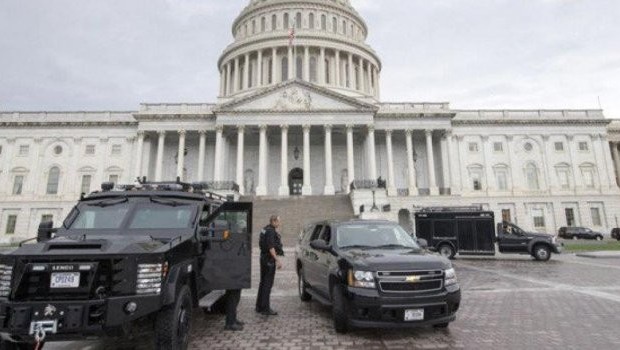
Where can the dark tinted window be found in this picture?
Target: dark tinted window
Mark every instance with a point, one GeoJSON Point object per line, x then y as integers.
{"type": "Point", "coordinates": [327, 234]}
{"type": "Point", "coordinates": [315, 233]}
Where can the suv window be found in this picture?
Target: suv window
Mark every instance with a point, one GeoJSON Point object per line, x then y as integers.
{"type": "Point", "coordinates": [327, 234]}
{"type": "Point", "coordinates": [315, 233]}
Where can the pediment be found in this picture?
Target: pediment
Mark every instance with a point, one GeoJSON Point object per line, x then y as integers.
{"type": "Point", "coordinates": [295, 96]}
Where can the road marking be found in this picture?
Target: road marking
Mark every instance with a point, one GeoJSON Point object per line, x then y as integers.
{"type": "Point", "coordinates": [554, 285]}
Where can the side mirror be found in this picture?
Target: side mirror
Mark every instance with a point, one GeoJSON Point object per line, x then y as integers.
{"type": "Point", "coordinates": [320, 245]}
{"type": "Point", "coordinates": [423, 243]}
{"type": "Point", "coordinates": [45, 231]}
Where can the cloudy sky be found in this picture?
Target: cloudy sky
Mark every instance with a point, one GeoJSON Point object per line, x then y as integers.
{"type": "Point", "coordinates": [115, 54]}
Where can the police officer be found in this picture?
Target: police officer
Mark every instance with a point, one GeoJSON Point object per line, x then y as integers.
{"type": "Point", "coordinates": [270, 249]}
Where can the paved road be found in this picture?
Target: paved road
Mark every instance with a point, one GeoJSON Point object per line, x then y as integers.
{"type": "Point", "coordinates": [508, 302]}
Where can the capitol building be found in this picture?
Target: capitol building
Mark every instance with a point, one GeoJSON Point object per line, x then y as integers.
{"type": "Point", "coordinates": [299, 113]}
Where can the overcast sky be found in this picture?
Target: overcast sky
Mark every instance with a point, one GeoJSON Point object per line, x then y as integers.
{"type": "Point", "coordinates": [115, 54]}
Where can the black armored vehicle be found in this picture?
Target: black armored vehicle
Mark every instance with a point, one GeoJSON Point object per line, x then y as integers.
{"type": "Point", "coordinates": [126, 260]}
{"type": "Point", "coordinates": [472, 231]}
{"type": "Point", "coordinates": [375, 275]}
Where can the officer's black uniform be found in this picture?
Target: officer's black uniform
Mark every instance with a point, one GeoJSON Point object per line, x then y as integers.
{"type": "Point", "coordinates": [269, 239]}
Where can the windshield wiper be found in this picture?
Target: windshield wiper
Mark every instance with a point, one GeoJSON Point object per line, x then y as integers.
{"type": "Point", "coordinates": [386, 246]}
{"type": "Point", "coordinates": [356, 246]}
{"type": "Point", "coordinates": [167, 202]}
{"type": "Point", "coordinates": [109, 203]}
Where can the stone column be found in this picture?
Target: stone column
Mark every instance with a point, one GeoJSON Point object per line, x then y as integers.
{"type": "Point", "coordinates": [604, 168]}
{"type": "Point", "coordinates": [391, 184]}
{"type": "Point", "coordinates": [329, 174]}
{"type": "Point", "coordinates": [307, 188]}
{"type": "Point", "coordinates": [306, 71]}
{"type": "Point", "coordinates": [350, 158]}
{"type": "Point", "coordinates": [451, 183]}
{"type": "Point", "coordinates": [291, 64]}
{"type": "Point", "coordinates": [607, 159]}
{"type": "Point", "coordinates": [228, 79]}
{"type": "Point", "coordinates": [511, 163]}
{"type": "Point", "coordinates": [360, 74]}
{"type": "Point", "coordinates": [413, 189]}
{"type": "Point", "coordinates": [259, 69]}
{"type": "Point", "coordinates": [236, 75]}
{"type": "Point", "coordinates": [274, 66]}
{"type": "Point", "coordinates": [261, 189]}
{"type": "Point", "coordinates": [284, 189]}
{"type": "Point", "coordinates": [181, 155]}
{"type": "Point", "coordinates": [369, 78]}
{"type": "Point", "coordinates": [351, 73]}
{"type": "Point", "coordinates": [445, 156]}
{"type": "Point", "coordinates": [240, 153]}
{"type": "Point", "coordinates": [246, 72]}
{"type": "Point", "coordinates": [372, 162]}
{"type": "Point", "coordinates": [202, 146]}
{"type": "Point", "coordinates": [160, 155]}
{"type": "Point", "coordinates": [616, 159]}
{"type": "Point", "coordinates": [547, 166]}
{"type": "Point", "coordinates": [217, 163]}
{"type": "Point", "coordinates": [222, 81]}
{"type": "Point", "coordinates": [488, 170]}
{"type": "Point", "coordinates": [337, 66]}
{"type": "Point", "coordinates": [139, 153]}
{"type": "Point", "coordinates": [431, 163]}
{"type": "Point", "coordinates": [575, 167]}
{"type": "Point", "coordinates": [321, 65]}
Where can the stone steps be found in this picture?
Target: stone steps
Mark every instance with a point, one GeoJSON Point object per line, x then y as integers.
{"type": "Point", "coordinates": [296, 212]}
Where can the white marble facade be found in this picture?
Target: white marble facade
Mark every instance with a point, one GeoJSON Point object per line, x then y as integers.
{"type": "Point", "coordinates": [311, 110]}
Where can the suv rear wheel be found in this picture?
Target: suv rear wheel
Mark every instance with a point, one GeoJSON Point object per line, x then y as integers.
{"type": "Point", "coordinates": [301, 287]}
{"type": "Point", "coordinates": [541, 252]}
{"type": "Point", "coordinates": [339, 310]}
{"type": "Point", "coordinates": [173, 323]}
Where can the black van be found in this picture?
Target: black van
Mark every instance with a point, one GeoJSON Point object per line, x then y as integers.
{"type": "Point", "coordinates": [471, 231]}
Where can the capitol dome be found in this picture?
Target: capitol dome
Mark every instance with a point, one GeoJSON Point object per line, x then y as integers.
{"type": "Point", "coordinates": [328, 48]}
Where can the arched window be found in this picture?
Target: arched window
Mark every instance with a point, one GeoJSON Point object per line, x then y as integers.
{"type": "Point", "coordinates": [286, 23]}
{"type": "Point", "coordinates": [300, 68]}
{"type": "Point", "coordinates": [284, 66]}
{"type": "Point", "coordinates": [531, 174]}
{"type": "Point", "coordinates": [311, 21]}
{"type": "Point", "coordinates": [298, 20]}
{"type": "Point", "coordinates": [323, 22]}
{"type": "Point", "coordinates": [335, 25]}
{"type": "Point", "coordinates": [274, 22]}
{"type": "Point", "coordinates": [344, 27]}
{"type": "Point", "coordinates": [328, 78]}
{"type": "Point", "coordinates": [263, 24]}
{"type": "Point", "coordinates": [53, 178]}
{"type": "Point", "coordinates": [253, 26]}
{"type": "Point", "coordinates": [352, 31]}
{"type": "Point", "coordinates": [313, 69]}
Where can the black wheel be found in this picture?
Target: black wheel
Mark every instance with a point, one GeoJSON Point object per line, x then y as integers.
{"type": "Point", "coordinates": [599, 238]}
{"type": "Point", "coordinates": [173, 323]}
{"type": "Point", "coordinates": [541, 252]}
{"type": "Point", "coordinates": [442, 325]}
{"type": "Point", "coordinates": [301, 287]}
{"type": "Point", "coordinates": [447, 251]}
{"type": "Point", "coordinates": [339, 310]}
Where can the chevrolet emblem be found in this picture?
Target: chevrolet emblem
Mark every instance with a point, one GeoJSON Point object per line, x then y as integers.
{"type": "Point", "coordinates": [50, 310]}
{"type": "Point", "coordinates": [412, 279]}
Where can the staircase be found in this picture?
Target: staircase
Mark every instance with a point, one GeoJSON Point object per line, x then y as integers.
{"type": "Point", "coordinates": [296, 212]}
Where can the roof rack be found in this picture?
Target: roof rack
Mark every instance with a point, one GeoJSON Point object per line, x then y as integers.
{"type": "Point", "coordinates": [449, 209]}
{"type": "Point", "coordinates": [142, 184]}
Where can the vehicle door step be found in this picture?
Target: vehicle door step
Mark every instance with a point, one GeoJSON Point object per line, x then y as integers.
{"type": "Point", "coordinates": [318, 297]}
{"type": "Point", "coordinates": [208, 300]}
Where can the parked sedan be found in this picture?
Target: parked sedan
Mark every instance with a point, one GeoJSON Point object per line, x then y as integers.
{"type": "Point", "coordinates": [579, 233]}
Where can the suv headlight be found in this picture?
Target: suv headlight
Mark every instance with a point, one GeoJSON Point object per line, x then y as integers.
{"type": "Point", "coordinates": [450, 277]}
{"type": "Point", "coordinates": [6, 274]}
{"type": "Point", "coordinates": [150, 277]}
{"type": "Point", "coordinates": [361, 279]}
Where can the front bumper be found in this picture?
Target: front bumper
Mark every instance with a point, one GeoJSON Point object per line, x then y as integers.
{"type": "Point", "coordinates": [75, 319]}
{"type": "Point", "coordinates": [368, 308]}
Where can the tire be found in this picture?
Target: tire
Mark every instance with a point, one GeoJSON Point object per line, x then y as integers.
{"type": "Point", "coordinates": [442, 325]}
{"type": "Point", "coordinates": [541, 252]}
{"type": "Point", "coordinates": [447, 251]}
{"type": "Point", "coordinates": [301, 287]}
{"type": "Point", "coordinates": [599, 238]}
{"type": "Point", "coordinates": [173, 323]}
{"type": "Point", "coordinates": [339, 310]}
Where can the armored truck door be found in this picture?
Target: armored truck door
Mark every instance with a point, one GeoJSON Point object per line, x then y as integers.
{"type": "Point", "coordinates": [227, 255]}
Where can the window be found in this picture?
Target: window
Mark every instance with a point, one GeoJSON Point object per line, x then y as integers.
{"type": "Point", "coordinates": [498, 147]}
{"type": "Point", "coordinates": [323, 22]}
{"type": "Point", "coordinates": [286, 23]}
{"type": "Point", "coordinates": [274, 22]}
{"type": "Point", "coordinates": [58, 150]}
{"type": "Point", "coordinates": [250, 74]}
{"type": "Point", "coordinates": [506, 216]}
{"type": "Point", "coordinates": [298, 20]}
{"type": "Point", "coordinates": [263, 24]}
{"type": "Point", "coordinates": [563, 179]}
{"type": "Point", "coordinates": [596, 216]}
{"type": "Point", "coordinates": [335, 25]}
{"type": "Point", "coordinates": [473, 147]}
{"type": "Point", "coordinates": [570, 217]}
{"type": "Point", "coordinates": [528, 147]}
{"type": "Point", "coordinates": [113, 179]}
{"type": "Point", "coordinates": [559, 146]}
{"type": "Point", "coordinates": [539, 218]}
{"type": "Point", "coordinates": [327, 76]}
{"type": "Point", "coordinates": [253, 26]}
{"type": "Point", "coordinates": [47, 218]}
{"type": "Point", "coordinates": [531, 174]}
{"type": "Point", "coordinates": [476, 182]}
{"type": "Point", "coordinates": [23, 150]}
{"type": "Point", "coordinates": [315, 233]}
{"type": "Point", "coordinates": [327, 235]}
{"type": "Point", "coordinates": [313, 69]}
{"type": "Point", "coordinates": [299, 67]}
{"type": "Point", "coordinates": [18, 185]}
{"type": "Point", "coordinates": [502, 179]}
{"type": "Point", "coordinates": [311, 21]}
{"type": "Point", "coordinates": [0, 149]}
{"type": "Point", "coordinates": [588, 177]}
{"type": "Point", "coordinates": [52, 180]}
{"type": "Point", "coordinates": [284, 67]}
{"type": "Point", "coordinates": [90, 150]}
{"type": "Point", "coordinates": [116, 150]}
{"type": "Point", "coordinates": [583, 146]}
{"type": "Point", "coordinates": [11, 222]}
{"type": "Point", "coordinates": [86, 181]}
{"type": "Point", "coordinates": [344, 27]}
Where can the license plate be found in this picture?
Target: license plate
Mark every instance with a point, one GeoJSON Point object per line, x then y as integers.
{"type": "Point", "coordinates": [65, 280]}
{"type": "Point", "coordinates": [414, 315]}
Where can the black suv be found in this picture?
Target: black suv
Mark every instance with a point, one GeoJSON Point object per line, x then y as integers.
{"type": "Point", "coordinates": [579, 233]}
{"type": "Point", "coordinates": [123, 262]}
{"type": "Point", "coordinates": [374, 274]}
